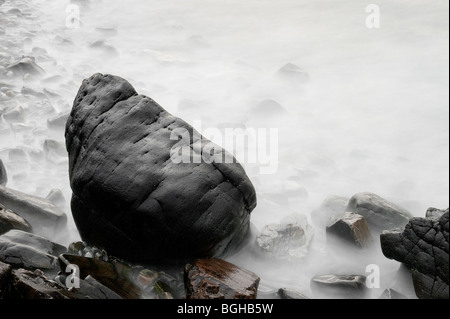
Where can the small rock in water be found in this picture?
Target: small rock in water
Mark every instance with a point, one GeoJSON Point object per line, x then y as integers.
{"type": "Point", "coordinates": [44, 217]}
{"type": "Point", "coordinates": [287, 241]}
{"type": "Point", "coordinates": [30, 91]}
{"type": "Point", "coordinates": [14, 115]}
{"type": "Point", "coordinates": [293, 73]}
{"type": "Point", "coordinates": [55, 151]}
{"type": "Point", "coordinates": [25, 250]}
{"type": "Point", "coordinates": [57, 197]}
{"type": "Point", "coordinates": [350, 228]}
{"type": "Point", "coordinates": [17, 155]}
{"type": "Point", "coordinates": [58, 121]}
{"type": "Point", "coordinates": [379, 213]}
{"type": "Point", "coordinates": [392, 294]}
{"type": "Point", "coordinates": [10, 220]}
{"type": "Point", "coordinates": [215, 278]}
{"type": "Point", "coordinates": [331, 206]}
{"type": "Point", "coordinates": [25, 65]}
{"type": "Point", "coordinates": [104, 47]}
{"type": "Point", "coordinates": [423, 246]}
{"type": "Point", "coordinates": [269, 108]}
{"type": "Point", "coordinates": [435, 213]}
{"type": "Point", "coordinates": [286, 293]}
{"type": "Point", "coordinates": [3, 175]}
{"type": "Point", "coordinates": [339, 286]}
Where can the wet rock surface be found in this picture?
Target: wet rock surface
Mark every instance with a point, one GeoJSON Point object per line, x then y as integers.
{"type": "Point", "coordinates": [339, 286]}
{"type": "Point", "coordinates": [217, 279]}
{"type": "Point", "coordinates": [167, 211]}
{"type": "Point", "coordinates": [286, 293]}
{"type": "Point", "coordinates": [423, 246]}
{"type": "Point", "coordinates": [379, 213]}
{"type": "Point", "coordinates": [44, 217]}
{"type": "Point", "coordinates": [349, 228]}
{"type": "Point", "coordinates": [24, 250]}
{"type": "Point", "coordinates": [10, 220]}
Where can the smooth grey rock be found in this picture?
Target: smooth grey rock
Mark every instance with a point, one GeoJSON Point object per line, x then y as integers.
{"type": "Point", "coordinates": [44, 217]}
{"type": "Point", "coordinates": [3, 175]}
{"type": "Point", "coordinates": [25, 65]}
{"type": "Point", "coordinates": [293, 73]}
{"type": "Point", "coordinates": [25, 250]}
{"type": "Point", "coordinates": [10, 220]}
{"type": "Point", "coordinates": [423, 246]}
{"type": "Point", "coordinates": [339, 286]}
{"type": "Point", "coordinates": [129, 194]}
{"type": "Point", "coordinates": [350, 228]}
{"type": "Point", "coordinates": [331, 206]}
{"type": "Point", "coordinates": [57, 197]}
{"type": "Point", "coordinates": [379, 213]}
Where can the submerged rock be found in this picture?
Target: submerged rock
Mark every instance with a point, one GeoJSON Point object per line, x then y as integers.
{"type": "Point", "coordinates": [293, 73]}
{"type": "Point", "coordinates": [25, 65]}
{"type": "Point", "coordinates": [350, 228]}
{"type": "Point", "coordinates": [423, 246]}
{"type": "Point", "coordinates": [379, 213]}
{"type": "Point", "coordinates": [25, 250]}
{"type": "Point", "coordinates": [44, 217]}
{"type": "Point", "coordinates": [3, 175]}
{"type": "Point", "coordinates": [287, 241]}
{"type": "Point", "coordinates": [133, 197]}
{"type": "Point", "coordinates": [215, 278]}
{"type": "Point", "coordinates": [339, 286]}
{"type": "Point", "coordinates": [331, 206]}
{"type": "Point", "coordinates": [392, 294]}
{"type": "Point", "coordinates": [10, 220]}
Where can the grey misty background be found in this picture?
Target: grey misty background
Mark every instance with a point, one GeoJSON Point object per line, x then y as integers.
{"type": "Point", "coordinates": [373, 115]}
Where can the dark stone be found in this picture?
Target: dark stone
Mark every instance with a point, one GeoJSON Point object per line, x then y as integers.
{"type": "Point", "coordinates": [10, 220]}
{"type": "Point", "coordinates": [28, 284]}
{"type": "Point", "coordinates": [115, 275]}
{"type": "Point", "coordinates": [339, 286]}
{"type": "Point", "coordinates": [350, 228]}
{"type": "Point", "coordinates": [422, 245]}
{"type": "Point", "coordinates": [44, 217]}
{"type": "Point", "coordinates": [25, 250]}
{"type": "Point", "coordinates": [215, 278]}
{"type": "Point", "coordinates": [331, 206]}
{"type": "Point", "coordinates": [392, 294]}
{"type": "Point", "coordinates": [286, 293]}
{"type": "Point", "coordinates": [379, 213]}
{"type": "Point", "coordinates": [3, 175]}
{"type": "Point", "coordinates": [130, 198]}
{"type": "Point", "coordinates": [90, 288]}
{"type": "Point", "coordinates": [5, 277]}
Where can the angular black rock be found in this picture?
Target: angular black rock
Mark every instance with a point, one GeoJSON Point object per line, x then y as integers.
{"type": "Point", "coordinates": [350, 228]}
{"type": "Point", "coordinates": [131, 198]}
{"type": "Point", "coordinates": [423, 247]}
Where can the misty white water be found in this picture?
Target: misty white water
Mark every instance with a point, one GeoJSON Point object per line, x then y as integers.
{"type": "Point", "coordinates": [372, 117]}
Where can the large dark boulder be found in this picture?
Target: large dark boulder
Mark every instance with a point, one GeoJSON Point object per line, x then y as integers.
{"type": "Point", "coordinates": [129, 194]}
{"type": "Point", "coordinates": [422, 245]}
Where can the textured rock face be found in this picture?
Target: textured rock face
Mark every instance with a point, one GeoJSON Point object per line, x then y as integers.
{"type": "Point", "coordinates": [214, 278]}
{"type": "Point", "coordinates": [45, 218]}
{"type": "Point", "coordinates": [350, 228]}
{"type": "Point", "coordinates": [131, 198]}
{"type": "Point", "coordinates": [379, 213]}
{"type": "Point", "coordinates": [10, 220]}
{"type": "Point", "coordinates": [423, 247]}
{"type": "Point", "coordinates": [21, 249]}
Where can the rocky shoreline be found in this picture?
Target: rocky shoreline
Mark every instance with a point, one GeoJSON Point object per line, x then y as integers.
{"type": "Point", "coordinates": [119, 257]}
